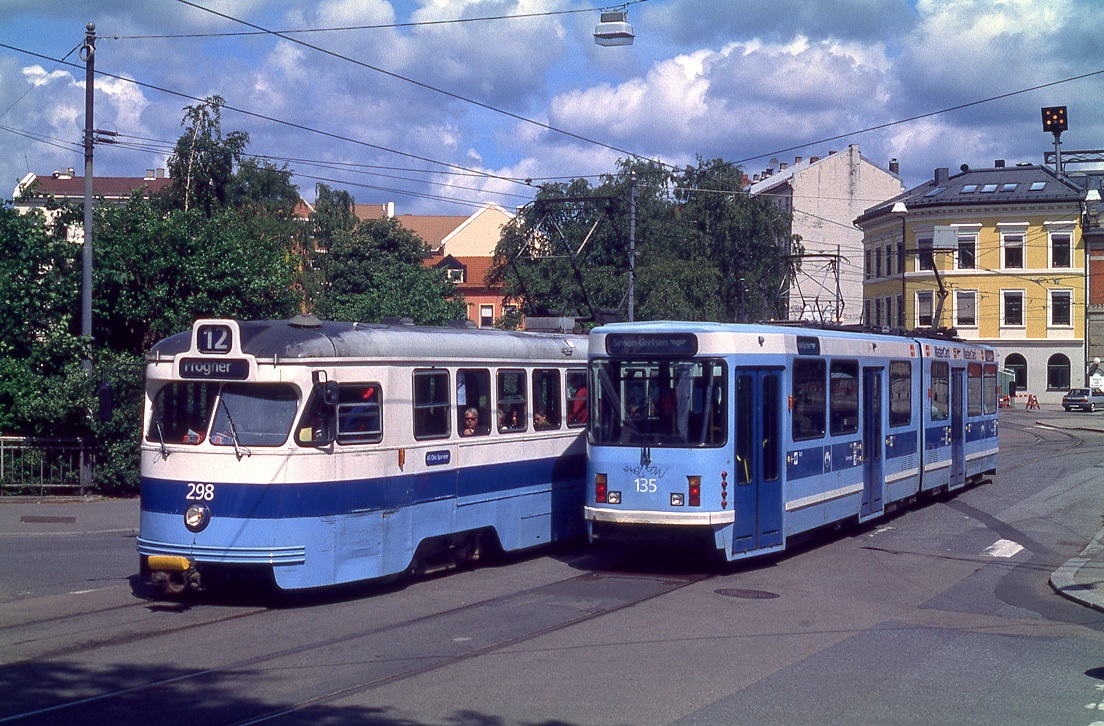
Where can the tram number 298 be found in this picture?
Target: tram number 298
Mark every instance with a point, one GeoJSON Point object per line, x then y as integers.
{"type": "Point", "coordinates": [200, 492]}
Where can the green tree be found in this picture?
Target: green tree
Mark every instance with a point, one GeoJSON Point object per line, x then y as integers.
{"type": "Point", "coordinates": [203, 162]}
{"type": "Point", "coordinates": [375, 271]}
{"type": "Point", "coordinates": [696, 236]}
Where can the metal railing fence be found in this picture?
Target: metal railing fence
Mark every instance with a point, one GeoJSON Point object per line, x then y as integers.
{"type": "Point", "coordinates": [40, 466]}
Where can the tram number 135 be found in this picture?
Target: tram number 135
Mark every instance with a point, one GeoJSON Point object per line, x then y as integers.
{"type": "Point", "coordinates": [646, 486]}
{"type": "Point", "coordinates": [200, 492]}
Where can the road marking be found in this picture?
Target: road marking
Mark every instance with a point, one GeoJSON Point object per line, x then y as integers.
{"type": "Point", "coordinates": [1003, 548]}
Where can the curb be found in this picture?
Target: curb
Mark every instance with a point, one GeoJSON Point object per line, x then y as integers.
{"type": "Point", "coordinates": [1064, 579]}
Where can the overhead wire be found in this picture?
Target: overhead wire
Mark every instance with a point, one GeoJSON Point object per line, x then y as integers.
{"type": "Point", "coordinates": [422, 84]}
{"type": "Point", "coordinates": [377, 26]}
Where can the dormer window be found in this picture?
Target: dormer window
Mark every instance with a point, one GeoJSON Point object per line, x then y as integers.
{"type": "Point", "coordinates": [456, 275]}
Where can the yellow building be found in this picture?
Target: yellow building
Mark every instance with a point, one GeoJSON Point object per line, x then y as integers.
{"type": "Point", "coordinates": [996, 254]}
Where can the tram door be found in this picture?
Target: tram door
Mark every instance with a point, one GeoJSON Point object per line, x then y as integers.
{"type": "Point", "coordinates": [873, 473]}
{"type": "Point", "coordinates": [756, 481]}
{"type": "Point", "coordinates": [958, 437]}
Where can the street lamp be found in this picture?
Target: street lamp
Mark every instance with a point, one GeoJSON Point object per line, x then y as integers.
{"type": "Point", "coordinates": [900, 209]}
{"type": "Point", "coordinates": [613, 29]}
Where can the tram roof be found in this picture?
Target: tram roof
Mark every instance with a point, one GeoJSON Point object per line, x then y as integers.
{"type": "Point", "coordinates": [289, 339]}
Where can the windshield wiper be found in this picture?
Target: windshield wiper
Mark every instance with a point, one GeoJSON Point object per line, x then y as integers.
{"type": "Point", "coordinates": [238, 449]}
{"type": "Point", "coordinates": [160, 435]}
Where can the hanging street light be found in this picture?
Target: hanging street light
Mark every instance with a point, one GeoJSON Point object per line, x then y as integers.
{"type": "Point", "coordinates": [613, 29]}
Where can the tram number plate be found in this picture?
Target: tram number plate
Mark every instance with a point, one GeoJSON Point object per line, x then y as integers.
{"type": "Point", "coordinates": [200, 492]}
{"type": "Point", "coordinates": [214, 339]}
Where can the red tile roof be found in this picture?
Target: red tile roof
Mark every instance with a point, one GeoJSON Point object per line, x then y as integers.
{"type": "Point", "coordinates": [109, 187]}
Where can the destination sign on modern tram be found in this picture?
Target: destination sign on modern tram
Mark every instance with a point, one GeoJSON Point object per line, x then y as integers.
{"type": "Point", "coordinates": [652, 344]}
{"type": "Point", "coordinates": [214, 369]}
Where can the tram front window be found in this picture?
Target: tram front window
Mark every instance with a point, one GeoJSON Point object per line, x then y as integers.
{"type": "Point", "coordinates": [672, 403]}
{"type": "Point", "coordinates": [254, 415]}
{"type": "Point", "coordinates": [181, 412]}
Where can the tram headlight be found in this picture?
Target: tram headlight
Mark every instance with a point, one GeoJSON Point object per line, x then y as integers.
{"type": "Point", "coordinates": [614, 498]}
{"type": "Point", "coordinates": [196, 517]}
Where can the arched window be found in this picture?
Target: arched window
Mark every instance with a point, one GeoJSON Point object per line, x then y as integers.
{"type": "Point", "coordinates": [1018, 365]}
{"type": "Point", "coordinates": [1058, 373]}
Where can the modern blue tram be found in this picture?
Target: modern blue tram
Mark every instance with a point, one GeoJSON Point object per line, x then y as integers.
{"type": "Point", "coordinates": [321, 452]}
{"type": "Point", "coordinates": [747, 435]}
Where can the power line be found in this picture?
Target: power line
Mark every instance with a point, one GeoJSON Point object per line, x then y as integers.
{"type": "Point", "coordinates": [275, 120]}
{"type": "Point", "coordinates": [424, 85]}
{"type": "Point", "coordinates": [380, 26]}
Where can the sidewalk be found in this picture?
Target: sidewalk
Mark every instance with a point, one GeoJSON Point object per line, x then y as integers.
{"type": "Point", "coordinates": [1081, 579]}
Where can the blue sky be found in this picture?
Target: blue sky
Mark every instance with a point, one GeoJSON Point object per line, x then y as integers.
{"type": "Point", "coordinates": [741, 80]}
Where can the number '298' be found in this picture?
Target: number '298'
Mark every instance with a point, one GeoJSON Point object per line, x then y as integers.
{"type": "Point", "coordinates": [200, 492]}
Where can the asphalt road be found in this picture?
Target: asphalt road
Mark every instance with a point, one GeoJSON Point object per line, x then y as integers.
{"type": "Point", "coordinates": [941, 615]}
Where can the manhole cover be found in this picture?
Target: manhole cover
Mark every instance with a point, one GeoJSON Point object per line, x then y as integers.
{"type": "Point", "coordinates": [31, 519]}
{"type": "Point", "coordinates": [747, 594]}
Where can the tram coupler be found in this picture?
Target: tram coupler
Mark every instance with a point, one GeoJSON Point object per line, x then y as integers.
{"type": "Point", "coordinates": [172, 575]}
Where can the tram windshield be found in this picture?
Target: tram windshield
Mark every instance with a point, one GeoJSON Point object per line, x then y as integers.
{"type": "Point", "coordinates": [664, 403]}
{"type": "Point", "coordinates": [253, 414]}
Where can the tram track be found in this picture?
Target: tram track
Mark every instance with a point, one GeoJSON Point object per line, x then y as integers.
{"type": "Point", "coordinates": [554, 606]}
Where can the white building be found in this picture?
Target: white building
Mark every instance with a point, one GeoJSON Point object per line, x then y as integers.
{"type": "Point", "coordinates": [824, 195]}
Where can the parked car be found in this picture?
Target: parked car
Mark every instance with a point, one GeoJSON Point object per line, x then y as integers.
{"type": "Point", "coordinates": [1086, 399]}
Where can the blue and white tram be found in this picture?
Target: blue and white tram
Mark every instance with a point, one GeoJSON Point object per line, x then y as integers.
{"type": "Point", "coordinates": [747, 435]}
{"type": "Point", "coordinates": [327, 452]}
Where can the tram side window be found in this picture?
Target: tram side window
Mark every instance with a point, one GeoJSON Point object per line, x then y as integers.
{"type": "Point", "coordinates": [900, 393]}
{"type": "Point", "coordinates": [973, 389]}
{"type": "Point", "coordinates": [745, 417]}
{"type": "Point", "coordinates": [431, 404]}
{"type": "Point", "coordinates": [989, 382]}
{"type": "Point", "coordinates": [576, 399]}
{"type": "Point", "coordinates": [771, 435]}
{"type": "Point", "coordinates": [940, 391]}
{"type": "Point", "coordinates": [546, 399]}
{"type": "Point", "coordinates": [843, 397]}
{"type": "Point", "coordinates": [511, 401]}
{"type": "Point", "coordinates": [359, 414]}
{"type": "Point", "coordinates": [808, 398]}
{"type": "Point", "coordinates": [181, 412]}
{"type": "Point", "coordinates": [473, 402]}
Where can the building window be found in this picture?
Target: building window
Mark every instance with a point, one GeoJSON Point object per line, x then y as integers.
{"type": "Point", "coordinates": [901, 258]}
{"type": "Point", "coordinates": [1061, 307]}
{"type": "Point", "coordinates": [878, 262]}
{"type": "Point", "coordinates": [456, 275]}
{"type": "Point", "coordinates": [900, 311]}
{"type": "Point", "coordinates": [967, 251]}
{"type": "Point", "coordinates": [1058, 373]}
{"type": "Point", "coordinates": [866, 264]}
{"type": "Point", "coordinates": [966, 308]}
{"type": "Point", "coordinates": [866, 313]}
{"type": "Point", "coordinates": [1013, 308]}
{"type": "Point", "coordinates": [924, 307]}
{"type": "Point", "coordinates": [924, 259]}
{"type": "Point", "coordinates": [486, 316]}
{"type": "Point", "coordinates": [889, 311]}
{"type": "Point", "coordinates": [1061, 249]}
{"type": "Point", "coordinates": [878, 313]}
{"type": "Point", "coordinates": [889, 260]}
{"type": "Point", "coordinates": [1017, 364]}
{"type": "Point", "coordinates": [1013, 251]}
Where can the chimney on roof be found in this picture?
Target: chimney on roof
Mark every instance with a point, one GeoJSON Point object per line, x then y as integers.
{"type": "Point", "coordinates": [782, 166]}
{"type": "Point", "coordinates": [149, 174]}
{"type": "Point", "coordinates": [160, 173]}
{"type": "Point", "coordinates": [831, 151]}
{"type": "Point", "coordinates": [894, 166]}
{"type": "Point", "coordinates": [814, 159]}
{"type": "Point", "coordinates": [999, 163]}
{"type": "Point", "coordinates": [389, 210]}
{"type": "Point", "coordinates": [941, 175]}
{"type": "Point", "coordinates": [797, 160]}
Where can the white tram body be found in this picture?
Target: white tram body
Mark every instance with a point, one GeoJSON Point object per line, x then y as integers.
{"type": "Point", "coordinates": [747, 435]}
{"type": "Point", "coordinates": [332, 452]}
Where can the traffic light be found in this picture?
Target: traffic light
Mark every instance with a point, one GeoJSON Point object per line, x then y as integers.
{"type": "Point", "coordinates": [1054, 119]}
